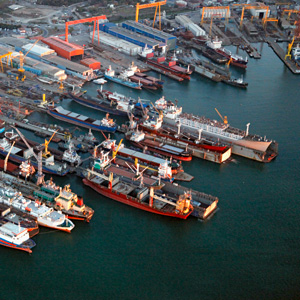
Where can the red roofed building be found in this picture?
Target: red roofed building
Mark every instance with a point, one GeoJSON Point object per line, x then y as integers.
{"type": "Point", "coordinates": [63, 48]}
{"type": "Point", "coordinates": [91, 63]}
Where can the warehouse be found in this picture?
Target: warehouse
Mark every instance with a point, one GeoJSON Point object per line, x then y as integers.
{"type": "Point", "coordinates": [152, 33]}
{"type": "Point", "coordinates": [70, 67]}
{"type": "Point", "coordinates": [37, 50]}
{"type": "Point", "coordinates": [120, 44]}
{"type": "Point", "coordinates": [63, 48]}
{"type": "Point", "coordinates": [222, 13]}
{"type": "Point", "coordinates": [131, 37]}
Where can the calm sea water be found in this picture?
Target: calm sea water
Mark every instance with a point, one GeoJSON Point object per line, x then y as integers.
{"type": "Point", "coordinates": [248, 250]}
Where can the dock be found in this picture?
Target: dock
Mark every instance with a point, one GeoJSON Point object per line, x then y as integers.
{"type": "Point", "coordinates": [281, 54]}
{"type": "Point", "coordinates": [46, 132]}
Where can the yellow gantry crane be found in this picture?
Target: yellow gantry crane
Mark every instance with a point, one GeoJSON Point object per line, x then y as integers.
{"type": "Point", "coordinates": [155, 4]}
{"type": "Point", "coordinates": [225, 121]}
{"type": "Point", "coordinates": [290, 11]}
{"type": "Point", "coordinates": [47, 152]}
{"type": "Point", "coordinates": [250, 6]}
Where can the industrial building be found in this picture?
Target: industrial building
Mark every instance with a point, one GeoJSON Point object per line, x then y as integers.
{"type": "Point", "coordinates": [91, 63]}
{"type": "Point", "coordinates": [260, 13]}
{"type": "Point", "coordinates": [63, 48]}
{"type": "Point", "coordinates": [215, 12]}
{"type": "Point", "coordinates": [152, 33]}
{"type": "Point", "coordinates": [189, 25]}
{"type": "Point", "coordinates": [37, 50]}
{"type": "Point", "coordinates": [132, 37]}
{"type": "Point", "coordinates": [120, 44]}
{"type": "Point", "coordinates": [70, 67]}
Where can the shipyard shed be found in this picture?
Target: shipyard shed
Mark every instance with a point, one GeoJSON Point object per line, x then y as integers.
{"type": "Point", "coordinates": [91, 63]}
{"type": "Point", "coordinates": [70, 67]}
{"type": "Point", "coordinates": [152, 33]}
{"type": "Point", "coordinates": [190, 25]}
{"type": "Point", "coordinates": [216, 13]}
{"type": "Point", "coordinates": [118, 43]}
{"type": "Point", "coordinates": [130, 36]}
{"type": "Point", "coordinates": [63, 48]}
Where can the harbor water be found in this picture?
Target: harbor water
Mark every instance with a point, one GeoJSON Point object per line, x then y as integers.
{"type": "Point", "coordinates": [248, 250]}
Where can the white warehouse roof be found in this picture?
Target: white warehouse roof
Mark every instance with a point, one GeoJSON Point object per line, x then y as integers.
{"type": "Point", "coordinates": [38, 50]}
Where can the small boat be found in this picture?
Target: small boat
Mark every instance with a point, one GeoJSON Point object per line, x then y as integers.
{"type": "Point", "coordinates": [237, 82]}
{"type": "Point", "coordinates": [70, 155]}
{"type": "Point", "coordinates": [99, 81]}
{"type": "Point", "coordinates": [105, 124]}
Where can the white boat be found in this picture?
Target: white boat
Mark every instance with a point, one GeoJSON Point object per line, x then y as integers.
{"type": "Point", "coordinates": [99, 81]}
{"type": "Point", "coordinates": [71, 156]}
{"type": "Point", "coordinates": [44, 215]}
{"type": "Point", "coordinates": [16, 237]}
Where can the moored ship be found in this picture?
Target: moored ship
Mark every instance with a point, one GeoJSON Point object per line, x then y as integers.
{"type": "Point", "coordinates": [132, 193]}
{"type": "Point", "coordinates": [123, 78]}
{"type": "Point", "coordinates": [16, 237]}
{"type": "Point", "coordinates": [235, 60]}
{"type": "Point", "coordinates": [140, 140]}
{"type": "Point", "coordinates": [166, 66]}
{"type": "Point", "coordinates": [111, 107]}
{"type": "Point", "coordinates": [60, 113]}
{"type": "Point", "coordinates": [64, 200]}
{"type": "Point", "coordinates": [44, 215]}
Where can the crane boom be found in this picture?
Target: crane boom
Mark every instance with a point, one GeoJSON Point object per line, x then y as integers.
{"type": "Point", "coordinates": [48, 142]}
{"type": "Point", "coordinates": [6, 158]}
{"type": "Point", "coordinates": [115, 152]}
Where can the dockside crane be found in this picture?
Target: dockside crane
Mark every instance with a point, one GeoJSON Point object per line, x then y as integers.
{"type": "Point", "coordinates": [115, 152]}
{"type": "Point", "coordinates": [38, 157]}
{"type": "Point", "coordinates": [47, 142]}
{"type": "Point", "coordinates": [290, 47]}
{"type": "Point", "coordinates": [225, 121]}
{"type": "Point", "coordinates": [22, 57]}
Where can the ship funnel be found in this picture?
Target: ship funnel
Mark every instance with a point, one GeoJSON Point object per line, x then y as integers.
{"type": "Point", "coordinates": [247, 130]}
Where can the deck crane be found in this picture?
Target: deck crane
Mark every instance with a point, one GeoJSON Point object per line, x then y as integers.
{"type": "Point", "coordinates": [22, 56]}
{"type": "Point", "coordinates": [154, 4]}
{"type": "Point", "coordinates": [38, 157]}
{"type": "Point", "coordinates": [46, 152]}
{"type": "Point", "coordinates": [115, 152]}
{"type": "Point", "coordinates": [6, 158]}
{"type": "Point", "coordinates": [225, 121]}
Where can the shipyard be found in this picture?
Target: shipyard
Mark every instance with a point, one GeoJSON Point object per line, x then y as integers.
{"type": "Point", "coordinates": [150, 140]}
